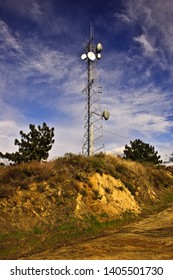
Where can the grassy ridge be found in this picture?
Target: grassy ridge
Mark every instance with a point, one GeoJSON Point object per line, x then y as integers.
{"type": "Point", "coordinates": [64, 174]}
{"type": "Point", "coordinates": [77, 167]}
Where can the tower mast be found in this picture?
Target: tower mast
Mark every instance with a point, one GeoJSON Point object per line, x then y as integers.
{"type": "Point", "coordinates": [93, 134]}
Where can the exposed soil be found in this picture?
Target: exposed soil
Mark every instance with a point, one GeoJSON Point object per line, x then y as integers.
{"type": "Point", "coordinates": [151, 238]}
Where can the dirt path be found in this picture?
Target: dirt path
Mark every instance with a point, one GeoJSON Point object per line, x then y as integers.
{"type": "Point", "coordinates": [151, 238]}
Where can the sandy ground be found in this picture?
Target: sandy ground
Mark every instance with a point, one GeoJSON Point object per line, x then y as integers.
{"type": "Point", "coordinates": [151, 238]}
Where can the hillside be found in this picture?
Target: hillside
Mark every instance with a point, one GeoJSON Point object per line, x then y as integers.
{"type": "Point", "coordinates": [45, 204]}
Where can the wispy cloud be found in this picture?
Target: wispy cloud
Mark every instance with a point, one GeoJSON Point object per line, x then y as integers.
{"type": "Point", "coordinates": [122, 17]}
{"type": "Point", "coordinates": [7, 39]}
{"type": "Point", "coordinates": [40, 72]}
{"type": "Point", "coordinates": [139, 109]}
{"type": "Point", "coordinates": [35, 60]}
{"type": "Point", "coordinates": [148, 48]}
{"type": "Point", "coordinates": [42, 13]}
{"type": "Point", "coordinates": [155, 20]}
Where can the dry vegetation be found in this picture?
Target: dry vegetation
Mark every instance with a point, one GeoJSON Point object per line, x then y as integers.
{"type": "Point", "coordinates": [38, 200]}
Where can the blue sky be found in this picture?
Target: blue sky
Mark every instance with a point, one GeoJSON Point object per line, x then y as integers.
{"type": "Point", "coordinates": [41, 73]}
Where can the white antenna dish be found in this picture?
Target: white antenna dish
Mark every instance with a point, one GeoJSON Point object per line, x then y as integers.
{"type": "Point", "coordinates": [83, 56]}
{"type": "Point", "coordinates": [91, 56]}
{"type": "Point", "coordinates": [106, 115]}
{"type": "Point", "coordinates": [99, 47]}
{"type": "Point", "coordinates": [99, 55]}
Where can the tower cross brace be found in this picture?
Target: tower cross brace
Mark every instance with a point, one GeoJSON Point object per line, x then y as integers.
{"type": "Point", "coordinates": [93, 131]}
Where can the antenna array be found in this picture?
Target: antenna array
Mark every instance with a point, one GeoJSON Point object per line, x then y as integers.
{"type": "Point", "coordinates": [93, 134]}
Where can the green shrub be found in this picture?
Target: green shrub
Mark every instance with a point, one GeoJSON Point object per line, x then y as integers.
{"type": "Point", "coordinates": [41, 188]}
{"type": "Point", "coordinates": [108, 190]}
{"type": "Point", "coordinates": [129, 186]}
{"type": "Point", "coordinates": [96, 195]}
{"type": "Point", "coordinates": [83, 192]}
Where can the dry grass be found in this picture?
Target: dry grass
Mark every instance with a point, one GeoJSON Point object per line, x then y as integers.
{"type": "Point", "coordinates": [76, 167]}
{"type": "Point", "coordinates": [64, 174]}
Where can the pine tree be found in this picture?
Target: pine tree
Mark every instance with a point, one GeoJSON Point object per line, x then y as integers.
{"type": "Point", "coordinates": [142, 152]}
{"type": "Point", "coordinates": [33, 146]}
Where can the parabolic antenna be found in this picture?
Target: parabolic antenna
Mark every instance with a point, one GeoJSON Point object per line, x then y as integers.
{"type": "Point", "coordinates": [99, 47]}
{"type": "Point", "coordinates": [106, 115]}
{"type": "Point", "coordinates": [99, 55]}
{"type": "Point", "coordinates": [91, 56]}
{"type": "Point", "coordinates": [83, 56]}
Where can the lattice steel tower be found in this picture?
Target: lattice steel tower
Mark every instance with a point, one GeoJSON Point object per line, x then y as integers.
{"type": "Point", "coordinates": [93, 132]}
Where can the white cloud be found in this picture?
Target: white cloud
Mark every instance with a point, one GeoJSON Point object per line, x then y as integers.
{"type": "Point", "coordinates": [8, 128]}
{"type": "Point", "coordinates": [151, 123]}
{"type": "Point", "coordinates": [35, 11]}
{"type": "Point", "coordinates": [7, 39]}
{"type": "Point", "coordinates": [68, 139]}
{"type": "Point", "coordinates": [32, 10]}
{"type": "Point", "coordinates": [47, 15]}
{"type": "Point", "coordinates": [154, 32]}
{"type": "Point", "coordinates": [44, 61]}
{"type": "Point", "coordinates": [141, 112]}
{"type": "Point", "coordinates": [9, 131]}
{"type": "Point", "coordinates": [36, 62]}
{"type": "Point", "coordinates": [155, 19]}
{"type": "Point", "coordinates": [122, 17]}
{"type": "Point", "coordinates": [116, 151]}
{"type": "Point", "coordinates": [148, 48]}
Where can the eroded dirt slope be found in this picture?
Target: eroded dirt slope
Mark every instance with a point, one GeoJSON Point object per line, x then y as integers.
{"type": "Point", "coordinates": [151, 238]}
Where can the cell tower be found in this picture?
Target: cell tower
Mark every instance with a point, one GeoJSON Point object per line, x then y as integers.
{"type": "Point", "coordinates": [93, 134]}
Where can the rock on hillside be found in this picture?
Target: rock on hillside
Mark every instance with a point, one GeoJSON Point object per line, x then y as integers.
{"type": "Point", "coordinates": [108, 196]}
